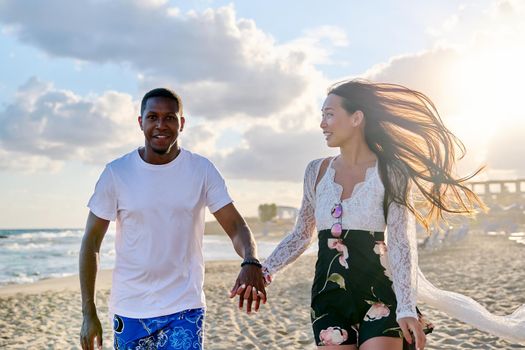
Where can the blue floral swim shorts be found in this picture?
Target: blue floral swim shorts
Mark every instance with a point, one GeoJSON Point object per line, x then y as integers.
{"type": "Point", "coordinates": [179, 331]}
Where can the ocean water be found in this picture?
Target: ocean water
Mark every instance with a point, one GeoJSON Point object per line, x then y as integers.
{"type": "Point", "coordinates": [29, 255]}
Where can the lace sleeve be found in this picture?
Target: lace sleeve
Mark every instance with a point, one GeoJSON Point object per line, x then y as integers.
{"type": "Point", "coordinates": [402, 257]}
{"type": "Point", "coordinates": [297, 241]}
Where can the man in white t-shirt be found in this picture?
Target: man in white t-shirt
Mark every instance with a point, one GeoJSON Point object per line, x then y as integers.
{"type": "Point", "coordinates": [157, 195]}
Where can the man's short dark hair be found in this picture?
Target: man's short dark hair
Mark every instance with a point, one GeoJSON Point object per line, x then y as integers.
{"type": "Point", "coordinates": [161, 92]}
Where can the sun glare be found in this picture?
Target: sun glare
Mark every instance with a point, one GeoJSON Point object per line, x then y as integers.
{"type": "Point", "coordinates": [490, 90]}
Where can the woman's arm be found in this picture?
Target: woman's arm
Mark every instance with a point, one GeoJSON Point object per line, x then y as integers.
{"type": "Point", "coordinates": [297, 241]}
{"type": "Point", "coordinates": [402, 257]}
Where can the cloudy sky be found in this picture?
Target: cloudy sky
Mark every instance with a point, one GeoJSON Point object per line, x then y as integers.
{"type": "Point", "coordinates": [252, 75]}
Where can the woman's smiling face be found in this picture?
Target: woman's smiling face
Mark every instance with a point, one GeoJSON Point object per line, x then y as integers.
{"type": "Point", "coordinates": [337, 124]}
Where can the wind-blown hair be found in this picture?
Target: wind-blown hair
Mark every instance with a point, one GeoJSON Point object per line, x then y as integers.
{"type": "Point", "coordinates": [413, 146]}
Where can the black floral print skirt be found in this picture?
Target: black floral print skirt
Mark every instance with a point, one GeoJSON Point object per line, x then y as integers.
{"type": "Point", "coordinates": [352, 295]}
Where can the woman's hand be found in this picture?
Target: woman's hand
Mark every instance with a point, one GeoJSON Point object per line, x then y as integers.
{"type": "Point", "coordinates": [412, 329]}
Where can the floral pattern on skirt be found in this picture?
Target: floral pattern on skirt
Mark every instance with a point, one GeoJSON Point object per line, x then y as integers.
{"type": "Point", "coordinates": [352, 294]}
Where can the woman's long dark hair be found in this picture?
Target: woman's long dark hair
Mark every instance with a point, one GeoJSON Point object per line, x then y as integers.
{"type": "Point", "coordinates": [404, 129]}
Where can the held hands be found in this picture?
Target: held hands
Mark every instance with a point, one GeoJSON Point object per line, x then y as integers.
{"type": "Point", "coordinates": [413, 331]}
{"type": "Point", "coordinates": [249, 286]}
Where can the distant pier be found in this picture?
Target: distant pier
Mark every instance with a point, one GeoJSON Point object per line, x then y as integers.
{"type": "Point", "coordinates": [500, 191]}
{"type": "Point", "coordinates": [506, 202]}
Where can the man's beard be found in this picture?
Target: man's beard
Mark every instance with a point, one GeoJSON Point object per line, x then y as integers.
{"type": "Point", "coordinates": [163, 151]}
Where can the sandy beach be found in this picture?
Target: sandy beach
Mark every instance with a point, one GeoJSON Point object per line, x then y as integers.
{"type": "Point", "coordinates": [46, 314]}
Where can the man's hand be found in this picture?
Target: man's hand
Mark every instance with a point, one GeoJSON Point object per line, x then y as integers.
{"type": "Point", "coordinates": [91, 329]}
{"type": "Point", "coordinates": [88, 264]}
{"type": "Point", "coordinates": [249, 286]}
{"type": "Point", "coordinates": [410, 326]}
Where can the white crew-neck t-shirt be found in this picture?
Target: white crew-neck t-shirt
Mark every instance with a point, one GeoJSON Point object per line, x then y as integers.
{"type": "Point", "coordinates": [159, 213]}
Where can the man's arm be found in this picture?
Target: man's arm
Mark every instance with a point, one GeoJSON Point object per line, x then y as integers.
{"type": "Point", "coordinates": [88, 264]}
{"type": "Point", "coordinates": [250, 282]}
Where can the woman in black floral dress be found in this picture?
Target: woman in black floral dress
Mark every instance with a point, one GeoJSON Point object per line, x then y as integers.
{"type": "Point", "coordinates": [392, 142]}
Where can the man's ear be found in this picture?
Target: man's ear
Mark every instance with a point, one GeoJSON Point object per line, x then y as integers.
{"type": "Point", "coordinates": [140, 122]}
{"type": "Point", "coordinates": [182, 121]}
{"type": "Point", "coordinates": [358, 117]}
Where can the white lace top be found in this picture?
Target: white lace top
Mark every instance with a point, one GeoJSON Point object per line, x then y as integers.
{"type": "Point", "coordinates": [364, 211]}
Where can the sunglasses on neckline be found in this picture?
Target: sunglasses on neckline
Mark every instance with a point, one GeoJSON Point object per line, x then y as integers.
{"type": "Point", "coordinates": [337, 213]}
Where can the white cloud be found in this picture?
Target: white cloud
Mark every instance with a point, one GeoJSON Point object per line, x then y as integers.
{"type": "Point", "coordinates": [474, 74]}
{"type": "Point", "coordinates": [503, 21]}
{"type": "Point", "coordinates": [25, 163]}
{"type": "Point", "coordinates": [505, 149]}
{"type": "Point", "coordinates": [47, 126]}
{"type": "Point", "coordinates": [272, 155]}
{"type": "Point", "coordinates": [318, 43]}
{"type": "Point", "coordinates": [431, 72]}
{"type": "Point", "coordinates": [222, 66]}
{"type": "Point", "coordinates": [229, 71]}
{"type": "Point", "coordinates": [200, 138]}
{"type": "Point", "coordinates": [226, 70]}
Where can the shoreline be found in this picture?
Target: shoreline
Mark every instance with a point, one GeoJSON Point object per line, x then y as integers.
{"type": "Point", "coordinates": [55, 284]}
{"type": "Point", "coordinates": [35, 257]}
{"type": "Point", "coordinates": [72, 283]}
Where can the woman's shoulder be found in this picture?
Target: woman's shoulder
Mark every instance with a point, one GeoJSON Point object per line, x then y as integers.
{"type": "Point", "coordinates": [315, 171]}
{"type": "Point", "coordinates": [317, 166]}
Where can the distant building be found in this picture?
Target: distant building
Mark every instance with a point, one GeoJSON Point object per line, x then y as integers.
{"type": "Point", "coordinates": [503, 192]}
{"type": "Point", "coordinates": [506, 202]}
{"type": "Point", "coordinates": [284, 212]}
